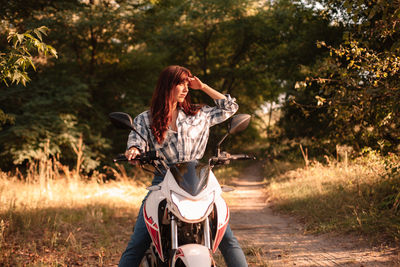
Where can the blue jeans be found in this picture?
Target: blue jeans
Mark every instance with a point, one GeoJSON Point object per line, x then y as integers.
{"type": "Point", "coordinates": [140, 242]}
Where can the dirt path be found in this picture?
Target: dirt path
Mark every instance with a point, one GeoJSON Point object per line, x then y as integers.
{"type": "Point", "coordinates": [278, 240]}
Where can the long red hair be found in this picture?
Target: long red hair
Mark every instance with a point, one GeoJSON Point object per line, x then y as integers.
{"type": "Point", "coordinates": [162, 101]}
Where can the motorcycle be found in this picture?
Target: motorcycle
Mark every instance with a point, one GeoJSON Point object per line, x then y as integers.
{"type": "Point", "coordinates": [185, 215]}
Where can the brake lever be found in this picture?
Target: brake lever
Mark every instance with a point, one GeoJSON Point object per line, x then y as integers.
{"type": "Point", "coordinates": [219, 161]}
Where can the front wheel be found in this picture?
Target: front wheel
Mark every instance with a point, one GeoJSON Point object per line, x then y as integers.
{"type": "Point", "coordinates": [192, 255]}
{"type": "Point", "coordinates": [180, 263]}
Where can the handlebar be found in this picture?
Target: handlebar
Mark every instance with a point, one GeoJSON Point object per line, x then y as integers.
{"type": "Point", "coordinates": [151, 156]}
{"type": "Point", "coordinates": [225, 158]}
{"type": "Point", "coordinates": [242, 157]}
{"type": "Point", "coordinates": [120, 157]}
{"type": "Point", "coordinates": [146, 157]}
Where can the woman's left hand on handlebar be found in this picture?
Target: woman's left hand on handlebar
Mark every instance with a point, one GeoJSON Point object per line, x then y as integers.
{"type": "Point", "coordinates": [132, 153]}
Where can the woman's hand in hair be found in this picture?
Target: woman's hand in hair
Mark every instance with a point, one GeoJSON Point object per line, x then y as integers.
{"type": "Point", "coordinates": [195, 83]}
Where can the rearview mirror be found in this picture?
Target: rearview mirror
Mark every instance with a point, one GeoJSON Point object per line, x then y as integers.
{"type": "Point", "coordinates": [121, 120]}
{"type": "Point", "coordinates": [239, 123]}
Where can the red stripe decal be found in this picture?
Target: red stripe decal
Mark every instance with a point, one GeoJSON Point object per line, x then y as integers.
{"type": "Point", "coordinates": [221, 230]}
{"type": "Point", "coordinates": [152, 228]}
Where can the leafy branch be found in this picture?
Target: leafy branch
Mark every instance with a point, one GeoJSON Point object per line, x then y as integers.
{"type": "Point", "coordinates": [17, 60]}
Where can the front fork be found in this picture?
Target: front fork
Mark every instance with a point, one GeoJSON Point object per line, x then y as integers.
{"type": "Point", "coordinates": [174, 239]}
{"type": "Point", "coordinates": [174, 233]}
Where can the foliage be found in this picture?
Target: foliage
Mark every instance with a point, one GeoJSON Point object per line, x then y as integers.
{"type": "Point", "coordinates": [253, 52]}
{"type": "Point", "coordinates": [15, 62]}
{"type": "Point", "coordinates": [62, 104]}
{"type": "Point", "coordinates": [111, 53]}
{"type": "Point", "coordinates": [234, 45]}
{"type": "Point", "coordinates": [16, 59]}
{"type": "Point", "coordinates": [351, 96]}
{"type": "Point", "coordinates": [47, 115]}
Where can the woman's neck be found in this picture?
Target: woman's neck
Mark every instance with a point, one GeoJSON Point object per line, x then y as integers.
{"type": "Point", "coordinates": [174, 116]}
{"type": "Point", "coordinates": [174, 105]}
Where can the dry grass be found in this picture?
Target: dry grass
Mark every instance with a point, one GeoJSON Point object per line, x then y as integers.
{"type": "Point", "coordinates": [54, 216]}
{"type": "Point", "coordinates": [361, 196]}
{"type": "Point", "coordinates": [19, 196]}
{"type": "Point", "coordinates": [50, 218]}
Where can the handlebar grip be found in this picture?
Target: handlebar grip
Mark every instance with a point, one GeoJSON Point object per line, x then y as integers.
{"type": "Point", "coordinates": [144, 157]}
{"type": "Point", "coordinates": [120, 157]}
{"type": "Point", "coordinates": [227, 158]}
{"type": "Point", "coordinates": [242, 157]}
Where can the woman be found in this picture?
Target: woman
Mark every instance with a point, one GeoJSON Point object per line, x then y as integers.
{"type": "Point", "coordinates": [179, 131]}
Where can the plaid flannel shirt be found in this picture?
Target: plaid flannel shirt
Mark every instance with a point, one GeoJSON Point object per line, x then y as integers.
{"type": "Point", "coordinates": [190, 140]}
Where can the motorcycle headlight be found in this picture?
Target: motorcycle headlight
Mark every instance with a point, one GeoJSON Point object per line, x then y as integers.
{"type": "Point", "coordinates": [192, 209]}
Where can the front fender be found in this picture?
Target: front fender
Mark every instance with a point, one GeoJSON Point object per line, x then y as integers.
{"type": "Point", "coordinates": [193, 255]}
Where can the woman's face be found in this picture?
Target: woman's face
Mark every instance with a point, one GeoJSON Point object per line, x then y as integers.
{"type": "Point", "coordinates": [180, 91]}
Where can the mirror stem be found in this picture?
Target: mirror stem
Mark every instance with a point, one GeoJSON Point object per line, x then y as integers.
{"type": "Point", "coordinates": [141, 136]}
{"type": "Point", "coordinates": [219, 144]}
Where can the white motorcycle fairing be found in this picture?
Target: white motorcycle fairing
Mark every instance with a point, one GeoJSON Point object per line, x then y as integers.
{"type": "Point", "coordinates": [165, 190]}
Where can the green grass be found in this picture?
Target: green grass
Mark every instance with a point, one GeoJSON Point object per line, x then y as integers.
{"type": "Point", "coordinates": [360, 197]}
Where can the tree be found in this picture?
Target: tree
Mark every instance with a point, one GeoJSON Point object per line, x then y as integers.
{"type": "Point", "coordinates": [253, 52]}
{"type": "Point", "coordinates": [101, 69]}
{"type": "Point", "coordinates": [15, 61]}
{"type": "Point", "coordinates": [355, 88]}
{"type": "Point", "coordinates": [111, 53]}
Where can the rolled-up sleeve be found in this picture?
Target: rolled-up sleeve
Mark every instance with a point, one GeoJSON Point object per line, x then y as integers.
{"type": "Point", "coordinates": [134, 140]}
{"type": "Point", "coordinates": [223, 110]}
